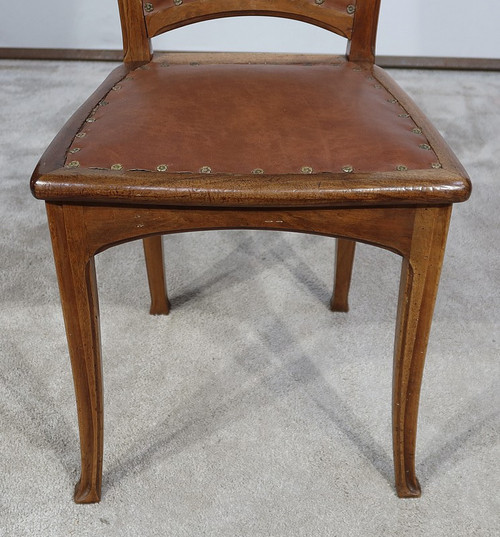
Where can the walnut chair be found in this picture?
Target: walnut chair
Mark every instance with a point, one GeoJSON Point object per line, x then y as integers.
{"type": "Point", "coordinates": [193, 141]}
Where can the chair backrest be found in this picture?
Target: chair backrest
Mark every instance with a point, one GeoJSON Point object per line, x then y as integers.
{"type": "Point", "coordinates": [355, 20]}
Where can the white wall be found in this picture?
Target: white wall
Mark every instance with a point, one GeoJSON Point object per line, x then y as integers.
{"type": "Point", "coordinates": [407, 27]}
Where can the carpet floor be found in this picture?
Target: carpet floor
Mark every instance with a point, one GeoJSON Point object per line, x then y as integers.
{"type": "Point", "coordinates": [251, 410]}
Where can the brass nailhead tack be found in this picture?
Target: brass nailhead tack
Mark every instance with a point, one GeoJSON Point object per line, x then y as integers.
{"type": "Point", "coordinates": [436, 165]}
{"type": "Point", "coordinates": [393, 101]}
{"type": "Point", "coordinates": [116, 87]}
{"type": "Point", "coordinates": [177, 2]}
{"type": "Point", "coordinates": [73, 164]}
{"type": "Point", "coordinates": [206, 169]}
{"type": "Point", "coordinates": [347, 169]}
{"type": "Point", "coordinates": [162, 168]}
{"type": "Point", "coordinates": [306, 169]}
{"type": "Point", "coordinates": [404, 115]}
{"type": "Point", "coordinates": [103, 103]}
{"type": "Point", "coordinates": [378, 86]}
{"type": "Point", "coordinates": [416, 130]}
{"type": "Point", "coordinates": [81, 135]}
{"type": "Point", "coordinates": [258, 171]}
{"type": "Point", "coordinates": [90, 120]}
{"type": "Point", "coordinates": [427, 147]}
{"type": "Point", "coordinates": [75, 150]}
{"type": "Point", "coordinates": [117, 167]}
{"type": "Point", "coordinates": [319, 2]}
{"type": "Point", "coordinates": [351, 9]}
{"type": "Point", "coordinates": [401, 168]}
{"type": "Point", "coordinates": [148, 7]}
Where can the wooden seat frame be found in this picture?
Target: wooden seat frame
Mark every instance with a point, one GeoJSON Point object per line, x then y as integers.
{"type": "Point", "coordinates": [88, 217]}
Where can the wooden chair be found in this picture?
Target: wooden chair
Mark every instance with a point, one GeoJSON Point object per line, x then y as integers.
{"type": "Point", "coordinates": [182, 142]}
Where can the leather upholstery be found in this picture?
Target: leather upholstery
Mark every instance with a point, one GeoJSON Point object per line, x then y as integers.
{"type": "Point", "coordinates": [239, 119]}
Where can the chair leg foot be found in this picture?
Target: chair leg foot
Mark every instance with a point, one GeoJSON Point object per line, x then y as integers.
{"type": "Point", "coordinates": [162, 308]}
{"type": "Point", "coordinates": [153, 252]}
{"type": "Point", "coordinates": [409, 490]}
{"type": "Point", "coordinates": [344, 259]}
{"type": "Point", "coordinates": [86, 494]}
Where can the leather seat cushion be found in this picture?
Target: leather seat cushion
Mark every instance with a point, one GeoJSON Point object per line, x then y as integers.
{"type": "Point", "coordinates": [244, 118]}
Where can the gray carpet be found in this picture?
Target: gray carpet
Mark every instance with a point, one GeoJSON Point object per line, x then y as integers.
{"type": "Point", "coordinates": [251, 410]}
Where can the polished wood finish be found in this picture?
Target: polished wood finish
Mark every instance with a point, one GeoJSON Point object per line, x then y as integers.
{"type": "Point", "coordinates": [136, 41]}
{"type": "Point", "coordinates": [79, 232]}
{"type": "Point", "coordinates": [361, 47]}
{"type": "Point", "coordinates": [153, 253]}
{"type": "Point", "coordinates": [333, 15]}
{"type": "Point", "coordinates": [78, 290]}
{"type": "Point", "coordinates": [343, 271]}
{"type": "Point", "coordinates": [406, 211]}
{"type": "Point", "coordinates": [355, 20]}
{"type": "Point", "coordinates": [419, 282]}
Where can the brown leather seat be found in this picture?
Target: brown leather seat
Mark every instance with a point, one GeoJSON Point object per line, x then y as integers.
{"type": "Point", "coordinates": [241, 119]}
{"type": "Point", "coordinates": [185, 142]}
{"type": "Point", "coordinates": [294, 130]}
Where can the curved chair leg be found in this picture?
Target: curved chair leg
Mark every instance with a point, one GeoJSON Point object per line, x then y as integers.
{"type": "Point", "coordinates": [418, 289]}
{"type": "Point", "coordinates": [343, 271]}
{"type": "Point", "coordinates": [78, 291]}
{"type": "Point", "coordinates": [153, 252]}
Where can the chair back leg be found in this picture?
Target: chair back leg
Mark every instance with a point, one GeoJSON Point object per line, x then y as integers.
{"type": "Point", "coordinates": [344, 259]}
{"type": "Point", "coordinates": [153, 252]}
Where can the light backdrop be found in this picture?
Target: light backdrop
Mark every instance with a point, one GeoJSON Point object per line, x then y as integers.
{"type": "Point", "coordinates": [407, 28]}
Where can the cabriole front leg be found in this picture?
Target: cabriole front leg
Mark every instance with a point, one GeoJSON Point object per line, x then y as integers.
{"type": "Point", "coordinates": [78, 291]}
{"type": "Point", "coordinates": [419, 282]}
